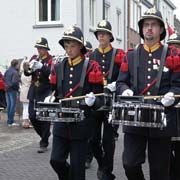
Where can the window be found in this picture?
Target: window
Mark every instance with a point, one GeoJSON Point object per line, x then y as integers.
{"type": "Point", "coordinates": [92, 12]}
{"type": "Point", "coordinates": [135, 14]}
{"type": "Point", "coordinates": [48, 11]}
{"type": "Point", "coordinates": [107, 11]}
{"type": "Point", "coordinates": [119, 25]}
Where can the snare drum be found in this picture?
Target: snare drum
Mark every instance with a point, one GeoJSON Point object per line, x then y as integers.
{"type": "Point", "coordinates": [138, 114]}
{"type": "Point", "coordinates": [56, 113]}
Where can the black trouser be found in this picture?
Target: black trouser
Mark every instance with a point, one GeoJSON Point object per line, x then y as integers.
{"type": "Point", "coordinates": [175, 161]}
{"type": "Point", "coordinates": [103, 147]}
{"type": "Point", "coordinates": [60, 150]}
{"type": "Point", "coordinates": [158, 155]}
{"type": "Point", "coordinates": [89, 156]}
{"type": "Point", "coordinates": [41, 127]}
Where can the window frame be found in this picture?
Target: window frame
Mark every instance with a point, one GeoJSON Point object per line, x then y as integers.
{"type": "Point", "coordinates": [119, 21]}
{"type": "Point", "coordinates": [135, 14]}
{"type": "Point", "coordinates": [107, 10]}
{"type": "Point", "coordinates": [49, 21]}
{"type": "Point", "coordinates": [92, 21]}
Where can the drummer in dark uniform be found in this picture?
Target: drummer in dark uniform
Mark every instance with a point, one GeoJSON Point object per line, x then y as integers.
{"type": "Point", "coordinates": [140, 74]}
{"type": "Point", "coordinates": [75, 76]}
{"type": "Point", "coordinates": [174, 40]}
{"type": "Point", "coordinates": [39, 70]}
{"type": "Point", "coordinates": [109, 59]}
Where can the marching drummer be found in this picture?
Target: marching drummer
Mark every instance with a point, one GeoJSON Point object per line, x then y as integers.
{"type": "Point", "coordinates": [174, 40]}
{"type": "Point", "coordinates": [75, 76]}
{"type": "Point", "coordinates": [149, 70]}
{"type": "Point", "coordinates": [39, 70]}
{"type": "Point", "coordinates": [109, 59]}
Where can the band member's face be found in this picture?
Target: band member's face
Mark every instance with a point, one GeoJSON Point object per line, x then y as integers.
{"type": "Point", "coordinates": [152, 30]}
{"type": "Point", "coordinates": [103, 38]}
{"type": "Point", "coordinates": [42, 51]}
{"type": "Point", "coordinates": [72, 48]}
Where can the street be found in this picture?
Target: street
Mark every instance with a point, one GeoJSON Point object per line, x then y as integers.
{"type": "Point", "coordinates": [19, 159]}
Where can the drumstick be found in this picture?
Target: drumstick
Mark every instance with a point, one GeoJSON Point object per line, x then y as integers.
{"type": "Point", "coordinates": [52, 94]}
{"type": "Point", "coordinates": [159, 96]}
{"type": "Point", "coordinates": [79, 97]}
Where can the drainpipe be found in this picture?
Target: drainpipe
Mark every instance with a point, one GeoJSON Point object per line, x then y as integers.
{"type": "Point", "coordinates": [103, 8]}
{"type": "Point", "coordinates": [128, 20]}
{"type": "Point", "coordinates": [125, 26]}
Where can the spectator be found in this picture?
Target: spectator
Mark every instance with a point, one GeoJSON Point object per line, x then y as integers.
{"type": "Point", "coordinates": [25, 84]}
{"type": "Point", "coordinates": [12, 80]}
{"type": "Point", "coordinates": [2, 92]}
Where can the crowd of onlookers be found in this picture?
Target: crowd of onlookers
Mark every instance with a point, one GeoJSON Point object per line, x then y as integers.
{"type": "Point", "coordinates": [14, 86]}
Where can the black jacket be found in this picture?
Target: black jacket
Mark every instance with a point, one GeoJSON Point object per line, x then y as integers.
{"type": "Point", "coordinates": [147, 72]}
{"type": "Point", "coordinates": [40, 86]}
{"type": "Point", "coordinates": [104, 60]}
{"type": "Point", "coordinates": [72, 75]}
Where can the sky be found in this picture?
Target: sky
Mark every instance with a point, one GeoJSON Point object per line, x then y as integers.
{"type": "Point", "coordinates": [177, 11]}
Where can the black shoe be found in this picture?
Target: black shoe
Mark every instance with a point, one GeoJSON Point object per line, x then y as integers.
{"type": "Point", "coordinates": [42, 150]}
{"type": "Point", "coordinates": [99, 173]}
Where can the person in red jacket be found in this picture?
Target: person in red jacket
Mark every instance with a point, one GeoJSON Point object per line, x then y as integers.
{"type": "Point", "coordinates": [2, 91]}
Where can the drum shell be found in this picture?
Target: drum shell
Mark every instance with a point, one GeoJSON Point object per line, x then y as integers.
{"type": "Point", "coordinates": [138, 114]}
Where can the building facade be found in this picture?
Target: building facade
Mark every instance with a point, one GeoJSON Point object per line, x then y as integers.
{"type": "Point", "coordinates": [24, 22]}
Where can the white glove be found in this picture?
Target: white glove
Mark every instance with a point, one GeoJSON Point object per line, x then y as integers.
{"type": "Point", "coordinates": [38, 65]}
{"type": "Point", "coordinates": [127, 92]}
{"type": "Point", "coordinates": [168, 99]}
{"type": "Point", "coordinates": [90, 99]}
{"type": "Point", "coordinates": [49, 99]}
{"type": "Point", "coordinates": [112, 86]}
{"type": "Point", "coordinates": [32, 63]}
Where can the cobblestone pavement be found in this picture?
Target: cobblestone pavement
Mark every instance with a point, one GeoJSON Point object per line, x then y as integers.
{"type": "Point", "coordinates": [19, 159]}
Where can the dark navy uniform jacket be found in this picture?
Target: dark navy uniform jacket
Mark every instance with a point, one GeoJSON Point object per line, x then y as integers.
{"type": "Point", "coordinates": [149, 61]}
{"type": "Point", "coordinates": [40, 86]}
{"type": "Point", "coordinates": [104, 59]}
{"type": "Point", "coordinates": [72, 74]}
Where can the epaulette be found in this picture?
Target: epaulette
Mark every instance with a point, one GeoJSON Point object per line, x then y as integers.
{"type": "Point", "coordinates": [173, 60]}
{"type": "Point", "coordinates": [50, 61]}
{"type": "Point", "coordinates": [124, 64]}
{"type": "Point", "coordinates": [52, 76]}
{"type": "Point", "coordinates": [119, 56]}
{"type": "Point", "coordinates": [95, 75]}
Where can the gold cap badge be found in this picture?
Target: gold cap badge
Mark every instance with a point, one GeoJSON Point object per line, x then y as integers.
{"type": "Point", "coordinates": [69, 30]}
{"type": "Point", "coordinates": [151, 11]}
{"type": "Point", "coordinates": [103, 23]}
